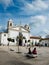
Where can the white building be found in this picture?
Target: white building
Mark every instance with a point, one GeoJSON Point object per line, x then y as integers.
{"type": "Point", "coordinates": [35, 40]}
{"type": "Point", "coordinates": [44, 42]}
{"type": "Point", "coordinates": [3, 38]}
{"type": "Point", "coordinates": [41, 41]}
{"type": "Point", "coordinates": [20, 34]}
{"type": "Point", "coordinates": [15, 32]}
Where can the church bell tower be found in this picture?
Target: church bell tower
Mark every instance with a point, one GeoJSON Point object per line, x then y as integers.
{"type": "Point", "coordinates": [10, 24]}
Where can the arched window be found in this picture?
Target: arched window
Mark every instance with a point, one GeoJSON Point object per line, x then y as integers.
{"type": "Point", "coordinates": [10, 24]}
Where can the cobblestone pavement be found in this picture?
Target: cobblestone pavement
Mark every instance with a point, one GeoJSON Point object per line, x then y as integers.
{"type": "Point", "coordinates": [9, 57]}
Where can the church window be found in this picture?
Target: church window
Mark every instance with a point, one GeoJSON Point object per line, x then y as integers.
{"type": "Point", "coordinates": [4, 34]}
{"type": "Point", "coordinates": [10, 24]}
{"type": "Point", "coordinates": [28, 27]}
{"type": "Point", "coordinates": [28, 40]}
{"type": "Point", "coordinates": [25, 41]}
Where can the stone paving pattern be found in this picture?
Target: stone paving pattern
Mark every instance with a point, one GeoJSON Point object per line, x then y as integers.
{"type": "Point", "coordinates": [15, 58]}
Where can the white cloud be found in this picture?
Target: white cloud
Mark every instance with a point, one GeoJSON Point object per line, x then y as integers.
{"type": "Point", "coordinates": [46, 31]}
{"type": "Point", "coordinates": [6, 3]}
{"type": "Point", "coordinates": [1, 27]}
{"type": "Point", "coordinates": [38, 20]}
{"type": "Point", "coordinates": [29, 6]}
{"type": "Point", "coordinates": [37, 5]}
{"type": "Point", "coordinates": [40, 5]}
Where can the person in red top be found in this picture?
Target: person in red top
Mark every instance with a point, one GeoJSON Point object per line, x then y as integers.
{"type": "Point", "coordinates": [34, 51]}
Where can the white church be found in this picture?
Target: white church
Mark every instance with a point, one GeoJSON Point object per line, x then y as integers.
{"type": "Point", "coordinates": [16, 33]}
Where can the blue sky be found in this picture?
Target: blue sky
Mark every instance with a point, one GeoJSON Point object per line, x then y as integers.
{"type": "Point", "coordinates": [32, 12]}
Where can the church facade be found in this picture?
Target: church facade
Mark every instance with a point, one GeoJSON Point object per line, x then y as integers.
{"type": "Point", "coordinates": [18, 34]}
{"type": "Point", "coordinates": [14, 34]}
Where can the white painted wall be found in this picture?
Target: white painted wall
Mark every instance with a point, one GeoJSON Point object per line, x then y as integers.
{"type": "Point", "coordinates": [0, 38]}
{"type": "Point", "coordinates": [25, 34]}
{"type": "Point", "coordinates": [44, 41]}
{"type": "Point", "coordinates": [4, 37]}
{"type": "Point", "coordinates": [14, 33]}
{"type": "Point", "coordinates": [34, 40]}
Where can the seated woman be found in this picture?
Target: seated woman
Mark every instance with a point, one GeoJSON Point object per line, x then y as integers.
{"type": "Point", "coordinates": [29, 51]}
{"type": "Point", "coordinates": [32, 54]}
{"type": "Point", "coordinates": [34, 51]}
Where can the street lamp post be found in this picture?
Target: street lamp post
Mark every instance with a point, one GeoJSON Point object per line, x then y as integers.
{"type": "Point", "coordinates": [18, 44]}
{"type": "Point", "coordinates": [8, 39]}
{"type": "Point", "coordinates": [19, 36]}
{"type": "Point", "coordinates": [40, 40]}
